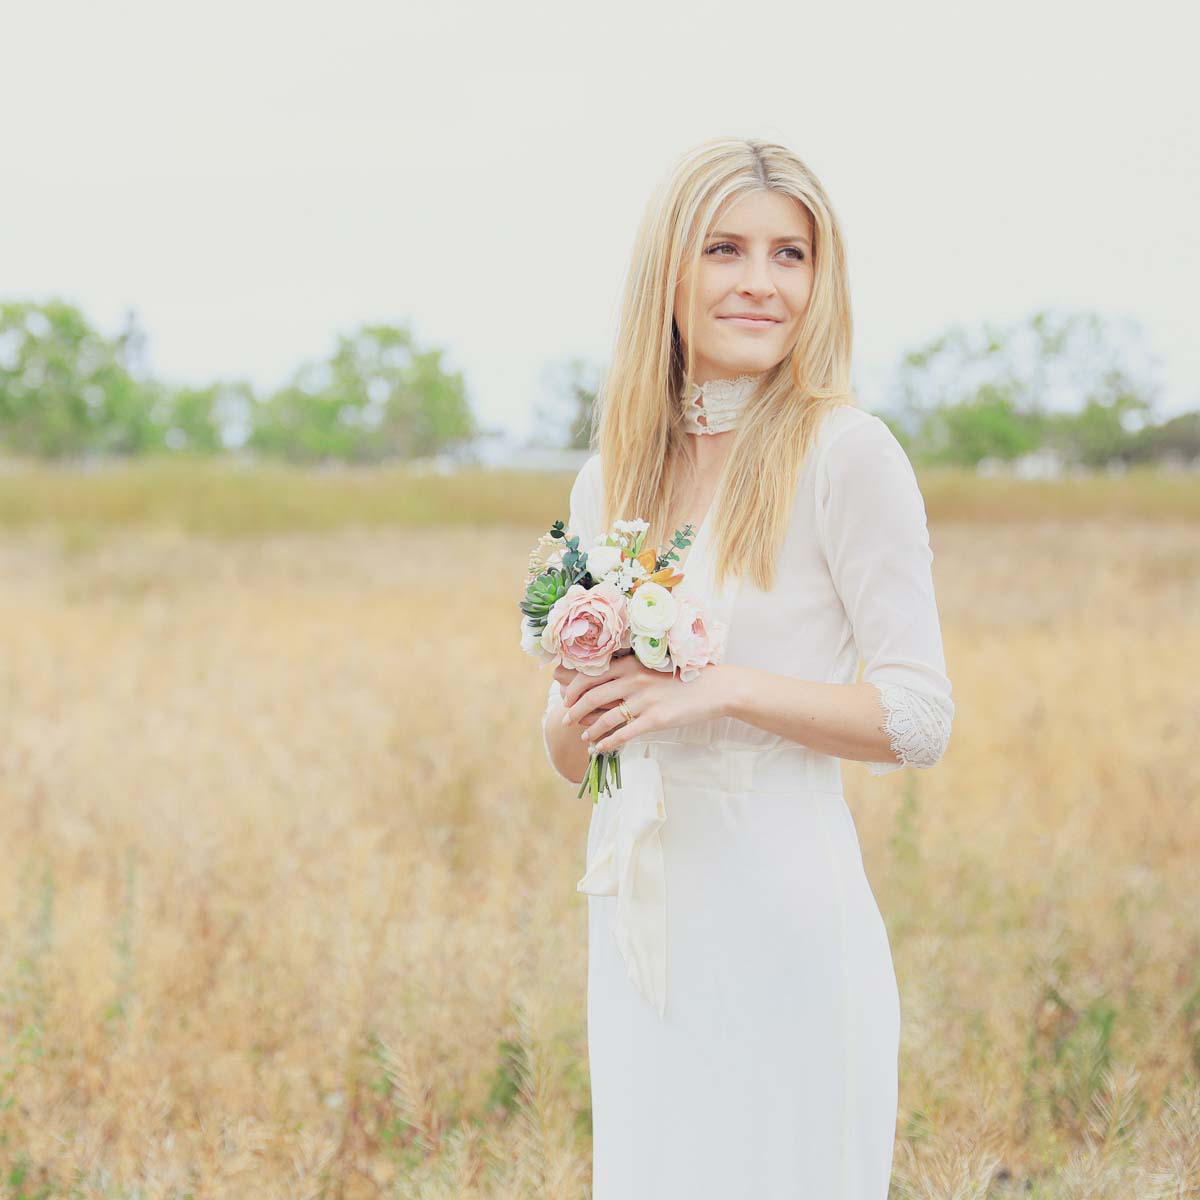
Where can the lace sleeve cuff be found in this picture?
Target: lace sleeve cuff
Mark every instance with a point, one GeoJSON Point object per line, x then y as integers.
{"type": "Point", "coordinates": [917, 724]}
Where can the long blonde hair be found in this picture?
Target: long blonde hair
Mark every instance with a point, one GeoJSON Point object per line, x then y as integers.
{"type": "Point", "coordinates": [638, 419]}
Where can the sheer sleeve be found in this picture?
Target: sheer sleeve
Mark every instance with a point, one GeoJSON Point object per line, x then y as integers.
{"type": "Point", "coordinates": [583, 520]}
{"type": "Point", "coordinates": [873, 528]}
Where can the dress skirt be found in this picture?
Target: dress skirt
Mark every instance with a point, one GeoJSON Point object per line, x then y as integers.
{"type": "Point", "coordinates": [771, 1070]}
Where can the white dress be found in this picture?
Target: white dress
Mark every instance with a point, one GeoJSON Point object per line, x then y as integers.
{"type": "Point", "coordinates": [743, 1018]}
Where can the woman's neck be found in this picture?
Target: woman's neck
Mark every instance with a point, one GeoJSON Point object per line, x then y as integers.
{"type": "Point", "coordinates": [716, 405]}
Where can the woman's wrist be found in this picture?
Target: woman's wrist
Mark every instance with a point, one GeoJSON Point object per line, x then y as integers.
{"type": "Point", "coordinates": [733, 689]}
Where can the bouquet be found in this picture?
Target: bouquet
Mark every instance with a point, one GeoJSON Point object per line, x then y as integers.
{"type": "Point", "coordinates": [583, 608]}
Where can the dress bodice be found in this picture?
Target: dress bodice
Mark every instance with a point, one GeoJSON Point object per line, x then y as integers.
{"type": "Point", "coordinates": [853, 579]}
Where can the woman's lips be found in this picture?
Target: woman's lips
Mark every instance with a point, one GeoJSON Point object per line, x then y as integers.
{"type": "Point", "coordinates": [750, 322]}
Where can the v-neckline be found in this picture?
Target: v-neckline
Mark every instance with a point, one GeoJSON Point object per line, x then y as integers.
{"type": "Point", "coordinates": [719, 602]}
{"type": "Point", "coordinates": [702, 529]}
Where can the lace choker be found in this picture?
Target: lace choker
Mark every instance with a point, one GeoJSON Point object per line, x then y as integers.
{"type": "Point", "coordinates": [716, 406]}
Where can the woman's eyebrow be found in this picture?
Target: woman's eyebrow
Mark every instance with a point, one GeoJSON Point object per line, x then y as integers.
{"type": "Point", "coordinates": [737, 237]}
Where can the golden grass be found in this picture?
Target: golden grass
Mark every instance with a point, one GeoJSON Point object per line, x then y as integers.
{"type": "Point", "coordinates": [290, 906]}
{"type": "Point", "coordinates": [224, 498]}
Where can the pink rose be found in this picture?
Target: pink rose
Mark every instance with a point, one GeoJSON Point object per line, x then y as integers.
{"type": "Point", "coordinates": [695, 639]}
{"type": "Point", "coordinates": [586, 626]}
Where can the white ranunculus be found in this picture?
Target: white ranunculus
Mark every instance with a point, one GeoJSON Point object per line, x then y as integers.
{"type": "Point", "coordinates": [531, 640]}
{"type": "Point", "coordinates": [603, 559]}
{"type": "Point", "coordinates": [652, 610]}
{"type": "Point", "coordinates": [652, 652]}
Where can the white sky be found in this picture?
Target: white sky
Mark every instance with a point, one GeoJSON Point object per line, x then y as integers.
{"type": "Point", "coordinates": [253, 178]}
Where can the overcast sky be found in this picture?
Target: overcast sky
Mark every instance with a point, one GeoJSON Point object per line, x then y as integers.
{"type": "Point", "coordinates": [254, 178]}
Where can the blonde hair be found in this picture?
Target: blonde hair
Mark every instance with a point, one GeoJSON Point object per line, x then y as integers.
{"type": "Point", "coordinates": [638, 419]}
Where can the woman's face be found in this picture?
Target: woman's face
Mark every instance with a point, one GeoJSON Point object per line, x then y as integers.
{"type": "Point", "coordinates": [757, 260]}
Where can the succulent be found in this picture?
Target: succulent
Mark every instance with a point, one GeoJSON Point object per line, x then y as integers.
{"type": "Point", "coordinates": [541, 594]}
{"type": "Point", "coordinates": [551, 585]}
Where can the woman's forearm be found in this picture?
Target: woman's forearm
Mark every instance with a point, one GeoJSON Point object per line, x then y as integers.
{"type": "Point", "coordinates": [842, 719]}
{"type": "Point", "coordinates": [568, 752]}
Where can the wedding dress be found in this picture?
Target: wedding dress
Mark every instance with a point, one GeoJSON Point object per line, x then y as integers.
{"type": "Point", "coordinates": [743, 1017]}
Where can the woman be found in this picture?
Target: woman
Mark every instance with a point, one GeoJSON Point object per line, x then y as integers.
{"type": "Point", "coordinates": [743, 1014]}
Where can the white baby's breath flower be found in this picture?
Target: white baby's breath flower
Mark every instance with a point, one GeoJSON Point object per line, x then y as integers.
{"type": "Point", "coordinates": [630, 570]}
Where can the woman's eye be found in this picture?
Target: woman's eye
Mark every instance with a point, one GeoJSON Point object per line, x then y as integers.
{"type": "Point", "coordinates": [730, 246]}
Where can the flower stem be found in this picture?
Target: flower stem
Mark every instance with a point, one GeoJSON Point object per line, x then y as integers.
{"type": "Point", "coordinates": [603, 771]}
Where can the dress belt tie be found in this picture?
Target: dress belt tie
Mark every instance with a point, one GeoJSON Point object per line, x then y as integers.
{"type": "Point", "coordinates": [628, 863]}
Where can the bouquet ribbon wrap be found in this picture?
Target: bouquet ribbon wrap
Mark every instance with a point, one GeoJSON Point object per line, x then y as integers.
{"type": "Point", "coordinates": [628, 863]}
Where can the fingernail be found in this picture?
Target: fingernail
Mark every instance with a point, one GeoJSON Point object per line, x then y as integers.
{"type": "Point", "coordinates": [566, 718]}
{"type": "Point", "coordinates": [584, 735]}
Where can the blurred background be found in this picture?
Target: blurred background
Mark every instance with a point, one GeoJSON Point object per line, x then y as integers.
{"type": "Point", "coordinates": [302, 314]}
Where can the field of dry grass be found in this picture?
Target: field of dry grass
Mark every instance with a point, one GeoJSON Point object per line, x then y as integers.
{"type": "Point", "coordinates": [290, 904]}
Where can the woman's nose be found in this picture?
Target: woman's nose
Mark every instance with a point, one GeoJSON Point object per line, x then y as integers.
{"type": "Point", "coordinates": [757, 277]}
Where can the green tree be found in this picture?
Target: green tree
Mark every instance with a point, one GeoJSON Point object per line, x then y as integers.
{"type": "Point", "coordinates": [206, 420]}
{"type": "Point", "coordinates": [1102, 432]}
{"type": "Point", "coordinates": [566, 419]}
{"type": "Point", "coordinates": [65, 390]}
{"type": "Point", "coordinates": [1177, 438]}
{"type": "Point", "coordinates": [985, 426]}
{"type": "Point", "coordinates": [1077, 380]}
{"type": "Point", "coordinates": [378, 397]}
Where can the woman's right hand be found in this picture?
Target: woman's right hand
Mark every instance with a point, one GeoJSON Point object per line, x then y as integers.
{"type": "Point", "coordinates": [567, 675]}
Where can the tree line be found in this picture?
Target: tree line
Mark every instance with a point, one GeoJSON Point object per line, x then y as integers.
{"type": "Point", "coordinates": [67, 391]}
{"type": "Point", "coordinates": [1078, 383]}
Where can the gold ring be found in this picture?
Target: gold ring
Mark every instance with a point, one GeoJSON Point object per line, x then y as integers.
{"type": "Point", "coordinates": [625, 710]}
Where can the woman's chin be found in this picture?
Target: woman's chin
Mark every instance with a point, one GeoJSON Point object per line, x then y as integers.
{"type": "Point", "coordinates": [734, 363]}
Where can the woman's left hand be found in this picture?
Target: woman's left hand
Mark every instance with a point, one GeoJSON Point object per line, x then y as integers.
{"type": "Point", "coordinates": [657, 700]}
